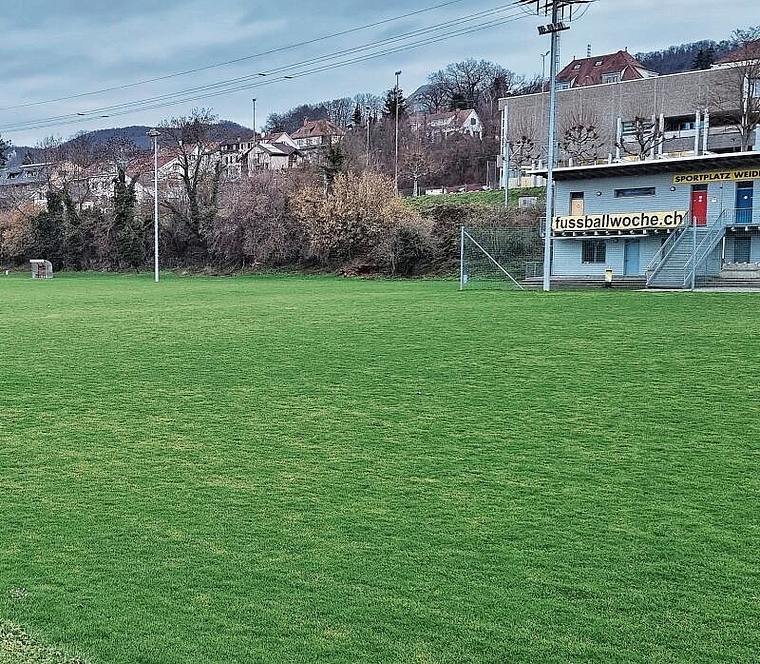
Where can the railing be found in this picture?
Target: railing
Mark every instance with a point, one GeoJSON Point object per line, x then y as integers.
{"type": "Point", "coordinates": [715, 232]}
{"type": "Point", "coordinates": [665, 251]}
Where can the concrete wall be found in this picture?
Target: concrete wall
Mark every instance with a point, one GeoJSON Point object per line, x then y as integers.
{"type": "Point", "coordinates": [674, 95]}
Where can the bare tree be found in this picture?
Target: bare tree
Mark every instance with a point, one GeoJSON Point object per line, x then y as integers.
{"type": "Point", "coordinates": [191, 141]}
{"type": "Point", "coordinates": [737, 96]}
{"type": "Point", "coordinates": [339, 111]}
{"type": "Point", "coordinates": [524, 146]}
{"type": "Point", "coordinates": [465, 82]}
{"type": "Point", "coordinates": [641, 137]}
{"type": "Point", "coordinates": [580, 136]}
{"type": "Point", "coordinates": [418, 163]}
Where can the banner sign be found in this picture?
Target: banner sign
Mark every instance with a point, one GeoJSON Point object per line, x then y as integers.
{"type": "Point", "coordinates": [623, 221]}
{"type": "Point", "coordinates": [717, 176]}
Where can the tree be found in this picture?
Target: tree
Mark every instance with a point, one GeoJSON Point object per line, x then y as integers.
{"type": "Point", "coordinates": [580, 137]}
{"type": "Point", "coordinates": [737, 96]}
{"type": "Point", "coordinates": [417, 163]}
{"type": "Point", "coordinates": [356, 117]}
{"type": "Point", "coordinates": [464, 83]}
{"type": "Point", "coordinates": [393, 97]}
{"type": "Point", "coordinates": [254, 227]}
{"type": "Point", "coordinates": [4, 146]}
{"type": "Point", "coordinates": [190, 140]}
{"type": "Point", "coordinates": [642, 137]}
{"type": "Point", "coordinates": [704, 59]}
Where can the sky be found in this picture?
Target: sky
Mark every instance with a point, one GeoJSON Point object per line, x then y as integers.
{"type": "Point", "coordinates": [55, 52]}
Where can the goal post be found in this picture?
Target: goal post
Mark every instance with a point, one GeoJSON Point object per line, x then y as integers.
{"type": "Point", "coordinates": [501, 258]}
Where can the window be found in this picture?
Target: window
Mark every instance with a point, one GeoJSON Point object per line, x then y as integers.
{"type": "Point", "coordinates": [576, 67]}
{"type": "Point", "coordinates": [598, 63]}
{"type": "Point", "coordinates": [594, 251]}
{"type": "Point", "coordinates": [611, 78]}
{"type": "Point", "coordinates": [754, 87]}
{"type": "Point", "coordinates": [634, 192]}
{"type": "Point", "coordinates": [473, 121]}
{"type": "Point", "coordinates": [563, 85]}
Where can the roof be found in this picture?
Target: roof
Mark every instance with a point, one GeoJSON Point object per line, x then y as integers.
{"type": "Point", "coordinates": [24, 174]}
{"type": "Point", "coordinates": [748, 51]}
{"type": "Point", "coordinates": [315, 128]}
{"type": "Point", "coordinates": [733, 160]}
{"type": "Point", "coordinates": [590, 71]}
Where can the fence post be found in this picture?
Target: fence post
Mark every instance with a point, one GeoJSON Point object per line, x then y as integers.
{"type": "Point", "coordinates": [461, 259]}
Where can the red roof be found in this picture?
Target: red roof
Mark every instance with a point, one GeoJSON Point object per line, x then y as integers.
{"type": "Point", "coordinates": [590, 71]}
{"type": "Point", "coordinates": [312, 128]}
{"type": "Point", "coordinates": [748, 51]}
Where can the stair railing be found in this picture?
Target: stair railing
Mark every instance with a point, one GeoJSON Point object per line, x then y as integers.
{"type": "Point", "coordinates": [665, 251]}
{"type": "Point", "coordinates": [715, 232]}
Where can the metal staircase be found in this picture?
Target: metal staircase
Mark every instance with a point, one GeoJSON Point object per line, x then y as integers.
{"type": "Point", "coordinates": [680, 259]}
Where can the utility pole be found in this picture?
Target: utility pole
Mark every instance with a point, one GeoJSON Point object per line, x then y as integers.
{"type": "Point", "coordinates": [559, 10]}
{"type": "Point", "coordinates": [398, 73]}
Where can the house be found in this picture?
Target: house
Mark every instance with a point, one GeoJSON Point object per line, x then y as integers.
{"type": "Point", "coordinates": [232, 156]}
{"type": "Point", "coordinates": [274, 156]}
{"type": "Point", "coordinates": [599, 69]}
{"type": "Point", "coordinates": [316, 135]}
{"type": "Point", "coordinates": [438, 126]}
{"type": "Point", "coordinates": [27, 183]}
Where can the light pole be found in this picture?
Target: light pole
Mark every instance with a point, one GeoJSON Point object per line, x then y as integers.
{"type": "Point", "coordinates": [253, 101]}
{"type": "Point", "coordinates": [543, 66]}
{"type": "Point", "coordinates": [369, 126]}
{"type": "Point", "coordinates": [398, 73]}
{"type": "Point", "coordinates": [154, 134]}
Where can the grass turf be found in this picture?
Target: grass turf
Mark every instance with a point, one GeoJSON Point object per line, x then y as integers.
{"type": "Point", "coordinates": [493, 198]}
{"type": "Point", "coordinates": [311, 470]}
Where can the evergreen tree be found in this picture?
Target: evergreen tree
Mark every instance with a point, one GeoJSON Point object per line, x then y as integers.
{"type": "Point", "coordinates": [356, 118]}
{"type": "Point", "coordinates": [128, 228]}
{"type": "Point", "coordinates": [334, 161]}
{"type": "Point", "coordinates": [704, 59]}
{"type": "Point", "coordinates": [4, 145]}
{"type": "Point", "coordinates": [389, 107]}
{"type": "Point", "coordinates": [48, 231]}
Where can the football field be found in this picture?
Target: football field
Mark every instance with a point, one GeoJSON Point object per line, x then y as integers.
{"type": "Point", "coordinates": [293, 469]}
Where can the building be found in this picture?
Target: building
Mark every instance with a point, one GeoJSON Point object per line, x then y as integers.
{"type": "Point", "coordinates": [27, 183]}
{"type": "Point", "coordinates": [599, 69]}
{"type": "Point", "coordinates": [636, 115]}
{"type": "Point", "coordinates": [439, 126]}
{"type": "Point", "coordinates": [232, 156]}
{"type": "Point", "coordinates": [665, 221]}
{"type": "Point", "coordinates": [276, 152]}
{"type": "Point", "coordinates": [317, 135]}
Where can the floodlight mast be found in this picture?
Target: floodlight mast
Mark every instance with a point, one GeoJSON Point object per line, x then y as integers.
{"type": "Point", "coordinates": [555, 8]}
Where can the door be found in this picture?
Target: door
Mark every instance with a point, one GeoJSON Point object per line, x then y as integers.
{"type": "Point", "coordinates": [699, 204]}
{"type": "Point", "coordinates": [577, 209]}
{"type": "Point", "coordinates": [631, 258]}
{"type": "Point", "coordinates": [744, 196]}
{"type": "Point", "coordinates": [742, 249]}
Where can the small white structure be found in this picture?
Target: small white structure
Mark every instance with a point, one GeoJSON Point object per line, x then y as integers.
{"type": "Point", "coordinates": [41, 269]}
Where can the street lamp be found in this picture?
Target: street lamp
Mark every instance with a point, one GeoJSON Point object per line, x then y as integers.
{"type": "Point", "coordinates": [398, 73]}
{"type": "Point", "coordinates": [154, 134]}
{"type": "Point", "coordinates": [369, 125]}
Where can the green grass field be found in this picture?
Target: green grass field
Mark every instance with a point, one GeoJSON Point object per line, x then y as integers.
{"type": "Point", "coordinates": [494, 198]}
{"type": "Point", "coordinates": [323, 470]}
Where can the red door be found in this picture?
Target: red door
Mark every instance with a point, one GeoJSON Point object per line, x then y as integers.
{"type": "Point", "coordinates": [699, 206]}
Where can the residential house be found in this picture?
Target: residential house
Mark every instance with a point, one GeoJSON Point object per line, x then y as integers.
{"type": "Point", "coordinates": [232, 156]}
{"type": "Point", "coordinates": [599, 69]}
{"type": "Point", "coordinates": [317, 135]}
{"type": "Point", "coordinates": [277, 152]}
{"type": "Point", "coordinates": [438, 126]}
{"type": "Point", "coordinates": [27, 183]}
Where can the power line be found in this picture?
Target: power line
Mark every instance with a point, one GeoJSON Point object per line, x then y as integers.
{"type": "Point", "coordinates": [234, 85]}
{"type": "Point", "coordinates": [245, 58]}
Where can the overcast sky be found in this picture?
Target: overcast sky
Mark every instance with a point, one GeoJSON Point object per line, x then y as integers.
{"type": "Point", "coordinates": [57, 48]}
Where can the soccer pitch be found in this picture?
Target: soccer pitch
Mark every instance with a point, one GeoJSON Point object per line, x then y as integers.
{"type": "Point", "coordinates": [324, 470]}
